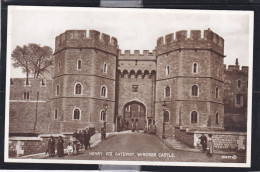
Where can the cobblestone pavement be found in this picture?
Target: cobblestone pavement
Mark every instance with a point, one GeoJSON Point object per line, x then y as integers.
{"type": "Point", "coordinates": [127, 147]}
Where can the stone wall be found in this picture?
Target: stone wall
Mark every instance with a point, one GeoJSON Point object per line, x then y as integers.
{"type": "Point", "coordinates": [222, 140]}
{"type": "Point", "coordinates": [21, 146]}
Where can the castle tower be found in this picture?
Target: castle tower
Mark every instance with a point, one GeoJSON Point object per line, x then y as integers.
{"type": "Point", "coordinates": [189, 81]}
{"type": "Point", "coordinates": [84, 81]}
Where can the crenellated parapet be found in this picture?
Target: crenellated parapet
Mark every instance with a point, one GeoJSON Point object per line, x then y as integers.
{"type": "Point", "coordinates": [79, 39]}
{"type": "Point", "coordinates": [210, 41]}
{"type": "Point", "coordinates": [145, 53]}
{"type": "Point", "coordinates": [236, 68]}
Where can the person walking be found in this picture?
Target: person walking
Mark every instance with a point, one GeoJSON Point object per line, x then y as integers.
{"type": "Point", "coordinates": [203, 142]}
{"type": "Point", "coordinates": [210, 146]}
{"type": "Point", "coordinates": [51, 147]}
{"type": "Point", "coordinates": [60, 148]}
{"type": "Point", "coordinates": [87, 139]}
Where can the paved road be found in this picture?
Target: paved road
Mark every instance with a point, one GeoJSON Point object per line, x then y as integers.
{"type": "Point", "coordinates": [126, 146]}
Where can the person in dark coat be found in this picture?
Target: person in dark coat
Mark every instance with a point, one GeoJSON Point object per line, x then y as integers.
{"type": "Point", "coordinates": [86, 139]}
{"type": "Point", "coordinates": [75, 134]}
{"type": "Point", "coordinates": [203, 142]}
{"type": "Point", "coordinates": [60, 148]}
{"type": "Point", "coordinates": [51, 146]}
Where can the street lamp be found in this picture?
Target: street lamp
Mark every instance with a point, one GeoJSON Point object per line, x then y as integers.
{"type": "Point", "coordinates": [105, 116]}
{"type": "Point", "coordinates": [164, 110]}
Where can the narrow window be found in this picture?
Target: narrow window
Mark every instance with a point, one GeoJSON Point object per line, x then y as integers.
{"type": "Point", "coordinates": [43, 83]}
{"type": "Point", "coordinates": [217, 92]}
{"type": "Point", "coordinates": [57, 90]}
{"type": "Point", "coordinates": [166, 116]}
{"type": "Point", "coordinates": [56, 114]}
{"type": "Point", "coordinates": [105, 68]}
{"type": "Point", "coordinates": [26, 95]}
{"type": "Point", "coordinates": [238, 83]}
{"type": "Point", "coordinates": [59, 66]}
{"type": "Point", "coordinates": [195, 68]}
{"type": "Point", "coordinates": [79, 65]}
{"type": "Point", "coordinates": [76, 114]}
{"type": "Point", "coordinates": [217, 118]}
{"type": "Point", "coordinates": [238, 99]}
{"type": "Point", "coordinates": [103, 115]}
{"type": "Point", "coordinates": [103, 91]}
{"type": "Point", "coordinates": [167, 70]}
{"type": "Point", "coordinates": [194, 117]}
{"type": "Point", "coordinates": [78, 88]}
{"type": "Point", "coordinates": [167, 91]}
{"type": "Point", "coordinates": [194, 90]}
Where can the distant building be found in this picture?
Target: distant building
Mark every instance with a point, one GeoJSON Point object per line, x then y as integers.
{"type": "Point", "coordinates": [182, 83]}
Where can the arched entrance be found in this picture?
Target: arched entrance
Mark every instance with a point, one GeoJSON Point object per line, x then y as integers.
{"type": "Point", "coordinates": [134, 111]}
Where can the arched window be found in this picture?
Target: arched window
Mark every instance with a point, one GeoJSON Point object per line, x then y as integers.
{"type": "Point", "coordinates": [105, 68]}
{"type": "Point", "coordinates": [57, 90]}
{"type": "Point", "coordinates": [103, 115]}
{"type": "Point", "coordinates": [79, 65]}
{"type": "Point", "coordinates": [194, 68]}
{"type": "Point", "coordinates": [78, 88]}
{"type": "Point", "coordinates": [217, 118]}
{"type": "Point", "coordinates": [194, 90]}
{"type": "Point", "coordinates": [103, 91]}
{"type": "Point", "coordinates": [217, 92]}
{"type": "Point", "coordinates": [167, 91]}
{"type": "Point", "coordinates": [76, 114]}
{"type": "Point", "coordinates": [167, 70]}
{"type": "Point", "coordinates": [166, 116]}
{"type": "Point", "coordinates": [56, 114]}
{"type": "Point", "coordinates": [194, 117]}
{"type": "Point", "coordinates": [238, 83]}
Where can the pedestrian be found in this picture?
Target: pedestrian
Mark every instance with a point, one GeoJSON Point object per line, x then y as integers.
{"type": "Point", "coordinates": [210, 146]}
{"type": "Point", "coordinates": [133, 125]}
{"type": "Point", "coordinates": [70, 149]}
{"type": "Point", "coordinates": [203, 142]}
{"type": "Point", "coordinates": [51, 147]}
{"type": "Point", "coordinates": [80, 138]}
{"type": "Point", "coordinates": [75, 143]}
{"type": "Point", "coordinates": [60, 148]}
{"type": "Point", "coordinates": [75, 134]}
{"type": "Point", "coordinates": [87, 139]}
{"type": "Point", "coordinates": [127, 123]}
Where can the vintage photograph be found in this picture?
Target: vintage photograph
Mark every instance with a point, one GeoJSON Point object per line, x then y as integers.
{"type": "Point", "coordinates": [129, 86]}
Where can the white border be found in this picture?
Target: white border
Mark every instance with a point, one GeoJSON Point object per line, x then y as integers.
{"type": "Point", "coordinates": [204, 164]}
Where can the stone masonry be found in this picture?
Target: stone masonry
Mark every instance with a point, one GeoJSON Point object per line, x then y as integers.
{"type": "Point", "coordinates": [94, 84]}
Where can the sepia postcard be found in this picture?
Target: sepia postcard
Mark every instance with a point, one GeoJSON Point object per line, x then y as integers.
{"type": "Point", "coordinates": [125, 86]}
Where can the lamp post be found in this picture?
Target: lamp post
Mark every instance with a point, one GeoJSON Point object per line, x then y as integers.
{"type": "Point", "coordinates": [163, 132]}
{"type": "Point", "coordinates": [105, 116]}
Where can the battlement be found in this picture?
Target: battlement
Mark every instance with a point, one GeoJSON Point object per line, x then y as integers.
{"type": "Point", "coordinates": [79, 39]}
{"type": "Point", "coordinates": [209, 40]}
{"type": "Point", "coordinates": [136, 53]}
{"type": "Point", "coordinates": [236, 68]}
{"type": "Point", "coordinates": [32, 82]}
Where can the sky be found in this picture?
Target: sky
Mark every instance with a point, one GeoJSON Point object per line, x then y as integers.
{"type": "Point", "coordinates": [135, 29]}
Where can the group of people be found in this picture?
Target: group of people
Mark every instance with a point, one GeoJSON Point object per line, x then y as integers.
{"type": "Point", "coordinates": [207, 144]}
{"type": "Point", "coordinates": [78, 139]}
{"type": "Point", "coordinates": [81, 139]}
{"type": "Point", "coordinates": [51, 147]}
